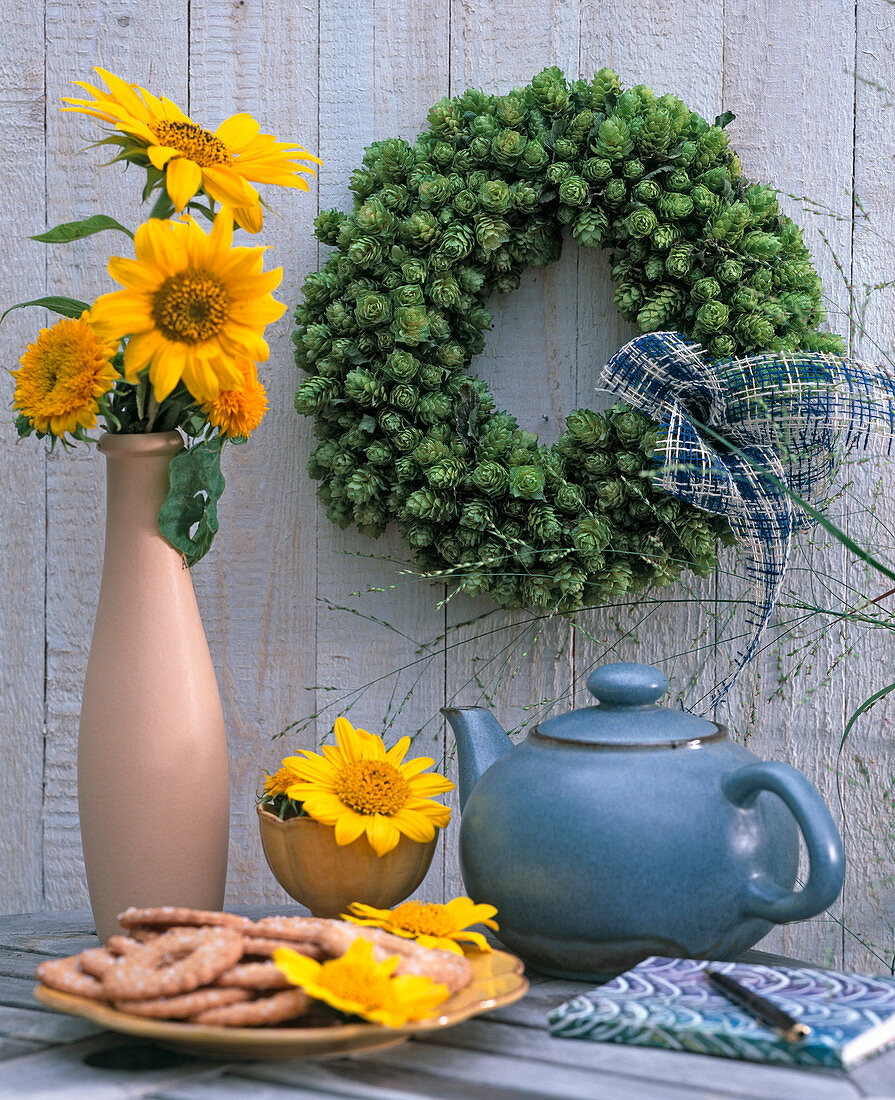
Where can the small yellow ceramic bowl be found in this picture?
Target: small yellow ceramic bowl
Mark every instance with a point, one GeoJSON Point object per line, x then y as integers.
{"type": "Point", "coordinates": [327, 877]}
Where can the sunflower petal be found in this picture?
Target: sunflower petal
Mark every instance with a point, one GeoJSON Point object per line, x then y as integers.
{"type": "Point", "coordinates": [159, 155]}
{"type": "Point", "coordinates": [382, 834]}
{"type": "Point", "coordinates": [237, 131]}
{"type": "Point", "coordinates": [348, 828]}
{"type": "Point", "coordinates": [182, 181]}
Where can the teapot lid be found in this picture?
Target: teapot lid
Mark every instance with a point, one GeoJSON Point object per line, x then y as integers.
{"type": "Point", "coordinates": [627, 714]}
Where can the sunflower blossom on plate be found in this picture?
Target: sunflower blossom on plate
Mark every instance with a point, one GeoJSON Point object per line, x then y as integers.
{"type": "Point", "coordinates": [359, 986]}
{"type": "Point", "coordinates": [192, 305]}
{"type": "Point", "coordinates": [429, 923]}
{"type": "Point", "coordinates": [221, 163]}
{"type": "Point", "coordinates": [237, 412]}
{"type": "Point", "coordinates": [62, 375]}
{"type": "Point", "coordinates": [358, 787]}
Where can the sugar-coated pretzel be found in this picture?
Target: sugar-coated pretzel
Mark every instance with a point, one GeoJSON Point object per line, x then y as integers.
{"type": "Point", "coordinates": [170, 916]}
{"type": "Point", "coordinates": [293, 929]}
{"type": "Point", "coordinates": [96, 961]}
{"type": "Point", "coordinates": [253, 975]}
{"type": "Point", "coordinates": [256, 945]}
{"type": "Point", "coordinates": [275, 1009]}
{"type": "Point", "coordinates": [122, 945]}
{"type": "Point", "coordinates": [445, 967]}
{"type": "Point", "coordinates": [177, 962]}
{"type": "Point", "coordinates": [185, 1004]}
{"type": "Point", "coordinates": [67, 976]}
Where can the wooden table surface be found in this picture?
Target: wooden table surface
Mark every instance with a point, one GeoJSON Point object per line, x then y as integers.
{"type": "Point", "coordinates": [504, 1055]}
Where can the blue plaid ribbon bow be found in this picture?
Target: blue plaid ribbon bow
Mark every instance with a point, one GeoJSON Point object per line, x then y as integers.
{"type": "Point", "coordinates": [791, 414]}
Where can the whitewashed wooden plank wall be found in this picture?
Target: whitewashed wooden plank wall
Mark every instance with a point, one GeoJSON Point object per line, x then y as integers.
{"type": "Point", "coordinates": [293, 608]}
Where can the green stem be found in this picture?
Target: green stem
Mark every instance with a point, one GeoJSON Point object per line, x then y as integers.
{"type": "Point", "coordinates": [141, 395]}
{"type": "Point", "coordinates": [151, 412]}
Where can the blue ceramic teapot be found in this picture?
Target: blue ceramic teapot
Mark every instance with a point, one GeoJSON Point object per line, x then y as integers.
{"type": "Point", "coordinates": [626, 829]}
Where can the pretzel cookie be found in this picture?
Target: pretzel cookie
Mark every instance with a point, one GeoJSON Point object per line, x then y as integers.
{"type": "Point", "coordinates": [258, 1013]}
{"type": "Point", "coordinates": [177, 962]}
{"type": "Point", "coordinates": [445, 967]}
{"type": "Point", "coordinates": [169, 916]}
{"type": "Point", "coordinates": [187, 1004]}
{"type": "Point", "coordinates": [67, 976]}
{"type": "Point", "coordinates": [253, 975]}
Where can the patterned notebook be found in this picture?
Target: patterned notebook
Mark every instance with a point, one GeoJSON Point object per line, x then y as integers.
{"type": "Point", "coordinates": [668, 1003]}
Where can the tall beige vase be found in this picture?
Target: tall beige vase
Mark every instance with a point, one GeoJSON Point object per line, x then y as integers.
{"type": "Point", "coordinates": [153, 781]}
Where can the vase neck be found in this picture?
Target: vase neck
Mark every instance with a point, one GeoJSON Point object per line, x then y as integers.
{"type": "Point", "coordinates": [136, 486]}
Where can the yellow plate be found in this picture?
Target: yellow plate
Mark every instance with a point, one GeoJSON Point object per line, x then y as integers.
{"type": "Point", "coordinates": [498, 980]}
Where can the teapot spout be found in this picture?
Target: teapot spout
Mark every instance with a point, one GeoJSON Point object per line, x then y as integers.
{"type": "Point", "coordinates": [481, 740]}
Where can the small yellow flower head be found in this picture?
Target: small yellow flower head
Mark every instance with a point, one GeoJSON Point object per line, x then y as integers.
{"type": "Point", "coordinates": [359, 986]}
{"type": "Point", "coordinates": [221, 163]}
{"type": "Point", "coordinates": [360, 788]}
{"type": "Point", "coordinates": [194, 308]}
{"type": "Point", "coordinates": [277, 783]}
{"type": "Point", "coordinates": [430, 924]}
{"type": "Point", "coordinates": [62, 375]}
{"type": "Point", "coordinates": [238, 412]}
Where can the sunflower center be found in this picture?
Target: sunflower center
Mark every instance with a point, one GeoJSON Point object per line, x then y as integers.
{"type": "Point", "coordinates": [363, 985]}
{"type": "Point", "coordinates": [372, 787]}
{"type": "Point", "coordinates": [423, 919]}
{"type": "Point", "coordinates": [198, 145]}
{"type": "Point", "coordinates": [191, 306]}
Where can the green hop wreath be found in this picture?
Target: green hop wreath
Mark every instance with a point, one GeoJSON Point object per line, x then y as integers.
{"type": "Point", "coordinates": [388, 328]}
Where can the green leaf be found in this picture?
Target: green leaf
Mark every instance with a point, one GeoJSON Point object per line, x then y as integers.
{"type": "Point", "coordinates": [724, 119]}
{"type": "Point", "coordinates": [195, 487]}
{"type": "Point", "coordinates": [863, 708]}
{"type": "Point", "coordinates": [68, 307]}
{"type": "Point", "coordinates": [75, 231]}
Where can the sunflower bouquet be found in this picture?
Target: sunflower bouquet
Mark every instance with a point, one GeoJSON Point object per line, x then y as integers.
{"type": "Point", "coordinates": [177, 347]}
{"type": "Point", "coordinates": [361, 788]}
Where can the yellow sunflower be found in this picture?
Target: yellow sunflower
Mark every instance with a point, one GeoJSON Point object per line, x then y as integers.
{"type": "Point", "coordinates": [356, 984]}
{"type": "Point", "coordinates": [220, 163]}
{"type": "Point", "coordinates": [430, 924]}
{"type": "Point", "coordinates": [360, 788]}
{"type": "Point", "coordinates": [238, 412]}
{"type": "Point", "coordinates": [62, 375]}
{"type": "Point", "coordinates": [192, 305]}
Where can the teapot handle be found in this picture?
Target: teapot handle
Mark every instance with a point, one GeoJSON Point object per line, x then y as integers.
{"type": "Point", "coordinates": [826, 871]}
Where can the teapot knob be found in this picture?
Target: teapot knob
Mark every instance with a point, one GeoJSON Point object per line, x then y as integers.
{"type": "Point", "coordinates": [627, 684]}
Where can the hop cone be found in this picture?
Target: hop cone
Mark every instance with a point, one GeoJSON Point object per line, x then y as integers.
{"type": "Point", "coordinates": [655, 134]}
{"type": "Point", "coordinates": [589, 227]}
{"type": "Point", "coordinates": [659, 309]}
{"type": "Point", "coordinates": [673, 206]}
{"type": "Point", "coordinates": [614, 140]}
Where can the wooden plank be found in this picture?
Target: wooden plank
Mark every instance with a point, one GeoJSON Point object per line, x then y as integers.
{"type": "Point", "coordinates": [868, 759]}
{"type": "Point", "coordinates": [220, 1088]}
{"type": "Point", "coordinates": [694, 1070]}
{"type": "Point", "coordinates": [256, 588]}
{"type": "Point", "coordinates": [19, 993]}
{"type": "Point", "coordinates": [22, 466]}
{"type": "Point", "coordinates": [63, 1071]}
{"type": "Point", "coordinates": [518, 663]}
{"type": "Point", "coordinates": [15, 1048]}
{"type": "Point", "coordinates": [377, 80]}
{"type": "Point", "coordinates": [37, 1026]}
{"type": "Point", "coordinates": [794, 130]}
{"type": "Point", "coordinates": [71, 922]}
{"type": "Point", "coordinates": [519, 1075]}
{"type": "Point", "coordinates": [675, 628]}
{"type": "Point", "coordinates": [80, 34]}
